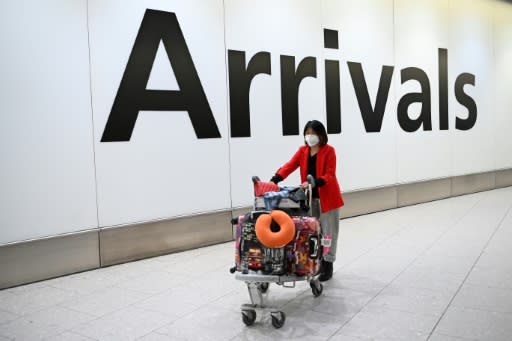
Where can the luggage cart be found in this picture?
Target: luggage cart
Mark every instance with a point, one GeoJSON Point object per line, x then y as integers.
{"type": "Point", "coordinates": [258, 283]}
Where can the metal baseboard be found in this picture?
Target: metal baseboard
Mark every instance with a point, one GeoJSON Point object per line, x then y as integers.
{"type": "Point", "coordinates": [368, 201]}
{"type": "Point", "coordinates": [128, 243]}
{"type": "Point", "coordinates": [473, 183]}
{"type": "Point", "coordinates": [415, 193]}
{"type": "Point", "coordinates": [31, 261]}
{"type": "Point", "coordinates": [504, 178]}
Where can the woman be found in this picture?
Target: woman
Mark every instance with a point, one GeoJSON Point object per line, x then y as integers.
{"type": "Point", "coordinates": [318, 158]}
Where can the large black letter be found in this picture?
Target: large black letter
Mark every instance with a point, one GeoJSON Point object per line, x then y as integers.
{"type": "Point", "coordinates": [372, 117]}
{"type": "Point", "coordinates": [132, 95]}
{"type": "Point", "coordinates": [465, 100]}
{"type": "Point", "coordinates": [240, 78]}
{"type": "Point", "coordinates": [332, 84]}
{"type": "Point", "coordinates": [332, 96]}
{"type": "Point", "coordinates": [290, 82]}
{"type": "Point", "coordinates": [422, 97]}
{"type": "Point", "coordinates": [443, 88]}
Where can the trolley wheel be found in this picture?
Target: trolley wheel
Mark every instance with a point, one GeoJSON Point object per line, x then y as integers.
{"type": "Point", "coordinates": [316, 287]}
{"type": "Point", "coordinates": [278, 318]}
{"type": "Point", "coordinates": [264, 287]}
{"type": "Point", "coordinates": [248, 317]}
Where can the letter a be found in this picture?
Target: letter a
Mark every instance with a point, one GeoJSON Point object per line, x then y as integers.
{"type": "Point", "coordinates": [132, 95]}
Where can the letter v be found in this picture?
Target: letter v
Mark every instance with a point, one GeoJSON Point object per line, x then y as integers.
{"type": "Point", "coordinates": [372, 117]}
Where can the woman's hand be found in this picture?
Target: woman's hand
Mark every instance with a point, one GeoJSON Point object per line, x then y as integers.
{"type": "Point", "coordinates": [305, 184]}
{"type": "Point", "coordinates": [276, 179]}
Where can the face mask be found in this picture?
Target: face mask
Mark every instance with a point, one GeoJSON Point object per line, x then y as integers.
{"type": "Point", "coordinates": [312, 140]}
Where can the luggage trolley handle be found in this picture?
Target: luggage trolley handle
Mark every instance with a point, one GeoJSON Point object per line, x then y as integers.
{"type": "Point", "coordinates": [311, 184]}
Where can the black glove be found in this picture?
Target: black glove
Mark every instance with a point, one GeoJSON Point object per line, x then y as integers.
{"type": "Point", "coordinates": [319, 182]}
{"type": "Point", "coordinates": [276, 179]}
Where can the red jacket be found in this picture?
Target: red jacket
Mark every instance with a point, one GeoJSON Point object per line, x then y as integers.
{"type": "Point", "coordinates": [330, 193]}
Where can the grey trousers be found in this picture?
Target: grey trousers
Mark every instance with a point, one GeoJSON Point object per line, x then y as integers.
{"type": "Point", "coordinates": [330, 225]}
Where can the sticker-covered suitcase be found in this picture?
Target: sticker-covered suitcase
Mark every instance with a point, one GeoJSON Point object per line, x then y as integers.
{"type": "Point", "coordinates": [250, 254]}
{"type": "Point", "coordinates": [302, 255]}
{"type": "Point", "coordinates": [305, 252]}
{"type": "Point", "coordinates": [248, 250]}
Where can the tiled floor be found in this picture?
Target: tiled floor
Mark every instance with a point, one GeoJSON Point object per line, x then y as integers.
{"type": "Point", "coordinates": [437, 271]}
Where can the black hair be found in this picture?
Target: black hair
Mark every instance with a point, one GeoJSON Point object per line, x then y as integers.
{"type": "Point", "coordinates": [319, 129]}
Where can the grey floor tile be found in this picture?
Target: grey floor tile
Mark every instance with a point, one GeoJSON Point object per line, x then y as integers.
{"type": "Point", "coordinates": [6, 293]}
{"type": "Point", "coordinates": [497, 276]}
{"type": "Point", "coordinates": [126, 324]}
{"type": "Point", "coordinates": [256, 333]}
{"type": "Point", "coordinates": [133, 269]}
{"type": "Point", "coordinates": [334, 301]}
{"type": "Point", "coordinates": [174, 303]}
{"type": "Point", "coordinates": [412, 300]}
{"type": "Point", "coordinates": [276, 296]}
{"type": "Point", "coordinates": [455, 249]}
{"type": "Point", "coordinates": [444, 262]}
{"type": "Point", "coordinates": [441, 337]}
{"type": "Point", "coordinates": [343, 337]}
{"type": "Point", "coordinates": [169, 259]}
{"type": "Point", "coordinates": [301, 325]}
{"type": "Point", "coordinates": [430, 278]}
{"type": "Point", "coordinates": [355, 282]}
{"type": "Point", "coordinates": [23, 289]}
{"type": "Point", "coordinates": [233, 300]}
{"type": "Point", "coordinates": [386, 324]}
{"type": "Point", "coordinates": [68, 336]}
{"type": "Point", "coordinates": [25, 329]}
{"type": "Point", "coordinates": [194, 267]}
{"type": "Point", "coordinates": [59, 317]}
{"type": "Point", "coordinates": [154, 337]}
{"type": "Point", "coordinates": [378, 271]}
{"type": "Point", "coordinates": [484, 298]}
{"type": "Point", "coordinates": [497, 252]}
{"type": "Point", "coordinates": [214, 286]}
{"type": "Point", "coordinates": [498, 260]}
{"type": "Point", "coordinates": [43, 323]}
{"type": "Point", "coordinates": [153, 282]}
{"type": "Point", "coordinates": [86, 282]}
{"type": "Point", "coordinates": [36, 299]}
{"type": "Point", "coordinates": [476, 324]}
{"type": "Point", "coordinates": [105, 301]}
{"type": "Point", "coordinates": [207, 323]}
{"type": "Point", "coordinates": [394, 251]}
{"type": "Point", "coordinates": [6, 316]}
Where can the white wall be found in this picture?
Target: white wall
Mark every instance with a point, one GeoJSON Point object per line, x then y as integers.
{"type": "Point", "coordinates": [58, 177]}
{"type": "Point", "coordinates": [360, 153]}
{"type": "Point", "coordinates": [502, 33]}
{"type": "Point", "coordinates": [471, 48]}
{"type": "Point", "coordinates": [46, 145]}
{"type": "Point", "coordinates": [263, 28]}
{"type": "Point", "coordinates": [421, 27]}
{"type": "Point", "coordinates": [164, 170]}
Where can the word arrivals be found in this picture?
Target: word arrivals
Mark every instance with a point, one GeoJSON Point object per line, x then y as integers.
{"type": "Point", "coordinates": [132, 95]}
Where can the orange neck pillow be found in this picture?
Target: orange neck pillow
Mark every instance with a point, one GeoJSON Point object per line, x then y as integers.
{"type": "Point", "coordinates": [279, 238]}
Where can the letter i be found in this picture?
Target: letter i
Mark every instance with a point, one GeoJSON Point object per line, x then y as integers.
{"type": "Point", "coordinates": [332, 84]}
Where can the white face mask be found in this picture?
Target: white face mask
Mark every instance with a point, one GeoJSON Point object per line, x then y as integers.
{"type": "Point", "coordinates": [312, 140]}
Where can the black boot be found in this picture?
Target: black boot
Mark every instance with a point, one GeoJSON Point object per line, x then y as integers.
{"type": "Point", "coordinates": [326, 272]}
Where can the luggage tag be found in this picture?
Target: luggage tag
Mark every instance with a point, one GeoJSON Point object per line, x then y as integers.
{"type": "Point", "coordinates": [326, 243]}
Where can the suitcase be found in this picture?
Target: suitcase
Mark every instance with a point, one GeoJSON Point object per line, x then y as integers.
{"type": "Point", "coordinates": [249, 251]}
{"type": "Point", "coordinates": [301, 256]}
{"type": "Point", "coordinates": [306, 254]}
{"type": "Point", "coordinates": [250, 254]}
